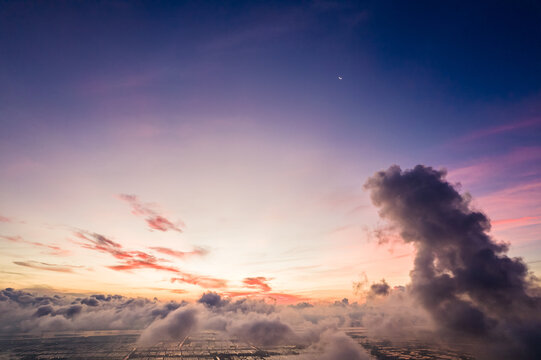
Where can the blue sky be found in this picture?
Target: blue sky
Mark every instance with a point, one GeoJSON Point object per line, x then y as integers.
{"type": "Point", "coordinates": [215, 110]}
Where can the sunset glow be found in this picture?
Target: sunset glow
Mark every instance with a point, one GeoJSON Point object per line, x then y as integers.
{"type": "Point", "coordinates": [271, 151]}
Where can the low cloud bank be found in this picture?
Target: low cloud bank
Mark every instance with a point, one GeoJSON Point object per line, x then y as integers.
{"type": "Point", "coordinates": [22, 311]}
{"type": "Point", "coordinates": [254, 321]}
{"type": "Point", "coordinates": [174, 326]}
{"type": "Point", "coordinates": [337, 346]}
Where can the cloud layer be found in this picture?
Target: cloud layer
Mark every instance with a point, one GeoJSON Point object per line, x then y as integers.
{"type": "Point", "coordinates": [254, 321]}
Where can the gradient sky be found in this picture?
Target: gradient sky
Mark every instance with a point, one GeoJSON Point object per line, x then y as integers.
{"type": "Point", "coordinates": [159, 149]}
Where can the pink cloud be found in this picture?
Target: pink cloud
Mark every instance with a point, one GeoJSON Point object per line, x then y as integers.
{"type": "Point", "coordinates": [517, 161]}
{"type": "Point", "coordinates": [153, 219]}
{"type": "Point", "coordinates": [262, 290]}
{"type": "Point", "coordinates": [131, 260]}
{"type": "Point", "coordinates": [499, 129]}
{"type": "Point", "coordinates": [259, 282]}
{"type": "Point", "coordinates": [513, 202]}
{"type": "Point", "coordinates": [514, 189]}
{"type": "Point", "coordinates": [158, 222]}
{"type": "Point", "coordinates": [15, 238]}
{"type": "Point", "coordinates": [133, 264]}
{"type": "Point", "coordinates": [135, 260]}
{"type": "Point", "coordinates": [5, 219]}
{"type": "Point", "coordinates": [203, 281]}
{"type": "Point", "coordinates": [522, 221]}
{"type": "Point", "coordinates": [94, 241]}
{"type": "Point", "coordinates": [178, 291]}
{"type": "Point", "coordinates": [54, 249]}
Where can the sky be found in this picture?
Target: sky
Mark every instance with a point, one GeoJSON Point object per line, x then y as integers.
{"type": "Point", "coordinates": [156, 148]}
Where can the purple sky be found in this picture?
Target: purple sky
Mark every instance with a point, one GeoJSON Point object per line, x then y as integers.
{"type": "Point", "coordinates": [223, 134]}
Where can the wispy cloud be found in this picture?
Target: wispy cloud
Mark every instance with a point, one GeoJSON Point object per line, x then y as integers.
{"type": "Point", "coordinates": [259, 282]}
{"type": "Point", "coordinates": [153, 219]}
{"type": "Point", "coordinates": [10, 220]}
{"type": "Point", "coordinates": [5, 219]}
{"type": "Point", "coordinates": [135, 263]}
{"type": "Point", "coordinates": [514, 222]}
{"type": "Point", "coordinates": [261, 290]}
{"type": "Point", "coordinates": [517, 162]}
{"type": "Point", "coordinates": [178, 291]}
{"type": "Point", "coordinates": [515, 205]}
{"type": "Point", "coordinates": [512, 197]}
{"type": "Point", "coordinates": [122, 82]}
{"type": "Point", "coordinates": [135, 259]}
{"type": "Point", "coordinates": [499, 129]}
{"type": "Point", "coordinates": [46, 266]}
{"type": "Point", "coordinates": [53, 249]}
{"type": "Point", "coordinates": [175, 291]}
{"type": "Point", "coordinates": [94, 241]}
{"type": "Point", "coordinates": [202, 281]}
{"type": "Point", "coordinates": [180, 254]}
{"type": "Point", "coordinates": [130, 260]}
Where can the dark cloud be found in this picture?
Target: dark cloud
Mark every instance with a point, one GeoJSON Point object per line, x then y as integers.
{"type": "Point", "coordinates": [153, 219]}
{"type": "Point", "coordinates": [90, 302]}
{"type": "Point", "coordinates": [24, 311]}
{"type": "Point", "coordinates": [461, 276]}
{"type": "Point", "coordinates": [166, 309]}
{"type": "Point", "coordinates": [265, 332]}
{"type": "Point", "coordinates": [343, 302]}
{"type": "Point", "coordinates": [102, 297]}
{"type": "Point", "coordinates": [44, 310]}
{"type": "Point", "coordinates": [70, 311]}
{"type": "Point", "coordinates": [23, 298]}
{"type": "Point", "coordinates": [302, 305]}
{"type": "Point", "coordinates": [246, 305]}
{"type": "Point", "coordinates": [218, 303]}
{"type": "Point", "coordinates": [212, 299]}
{"type": "Point", "coordinates": [380, 289]}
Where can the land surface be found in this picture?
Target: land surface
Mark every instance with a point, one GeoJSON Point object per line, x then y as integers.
{"type": "Point", "coordinates": [207, 345]}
